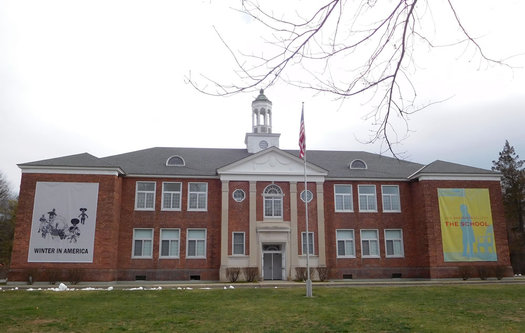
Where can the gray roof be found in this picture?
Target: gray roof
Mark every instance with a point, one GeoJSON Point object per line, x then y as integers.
{"type": "Point", "coordinates": [204, 162]}
{"type": "Point", "coordinates": [78, 160]}
{"type": "Point", "coordinates": [443, 167]}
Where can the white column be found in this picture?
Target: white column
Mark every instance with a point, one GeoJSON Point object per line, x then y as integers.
{"type": "Point", "coordinates": [294, 247]}
{"type": "Point", "coordinates": [224, 230]}
{"type": "Point", "coordinates": [320, 224]}
{"type": "Point", "coordinates": [254, 253]}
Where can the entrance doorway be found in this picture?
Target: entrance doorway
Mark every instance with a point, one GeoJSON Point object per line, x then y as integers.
{"type": "Point", "coordinates": [272, 262]}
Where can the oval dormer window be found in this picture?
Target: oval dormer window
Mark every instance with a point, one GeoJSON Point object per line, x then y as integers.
{"type": "Point", "coordinates": [357, 164]}
{"type": "Point", "coordinates": [175, 161]}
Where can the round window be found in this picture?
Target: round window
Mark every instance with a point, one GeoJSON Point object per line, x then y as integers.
{"type": "Point", "coordinates": [239, 195]}
{"type": "Point", "coordinates": [309, 195]}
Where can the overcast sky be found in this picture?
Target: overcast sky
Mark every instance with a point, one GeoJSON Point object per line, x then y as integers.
{"type": "Point", "coordinates": [107, 77]}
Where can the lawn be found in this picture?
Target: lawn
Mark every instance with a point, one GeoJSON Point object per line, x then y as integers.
{"type": "Point", "coordinates": [472, 308]}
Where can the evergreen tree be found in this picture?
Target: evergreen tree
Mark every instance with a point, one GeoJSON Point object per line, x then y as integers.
{"type": "Point", "coordinates": [512, 185]}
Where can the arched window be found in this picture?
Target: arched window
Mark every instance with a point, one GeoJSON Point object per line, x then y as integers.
{"type": "Point", "coordinates": [273, 201]}
{"type": "Point", "coordinates": [358, 164]}
{"type": "Point", "coordinates": [175, 161]}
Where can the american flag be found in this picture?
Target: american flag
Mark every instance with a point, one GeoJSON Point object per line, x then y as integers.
{"type": "Point", "coordinates": [302, 138]}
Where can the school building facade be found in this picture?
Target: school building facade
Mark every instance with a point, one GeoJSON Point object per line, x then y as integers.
{"type": "Point", "coordinates": [172, 214]}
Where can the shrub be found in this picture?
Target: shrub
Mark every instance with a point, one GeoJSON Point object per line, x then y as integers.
{"type": "Point", "coordinates": [232, 273]}
{"type": "Point", "coordinates": [32, 275]}
{"type": "Point", "coordinates": [483, 272]}
{"type": "Point", "coordinates": [300, 273]}
{"type": "Point", "coordinates": [52, 275]}
{"type": "Point", "coordinates": [499, 271]}
{"type": "Point", "coordinates": [465, 272]}
{"type": "Point", "coordinates": [75, 275]}
{"type": "Point", "coordinates": [251, 274]}
{"type": "Point", "coordinates": [322, 272]}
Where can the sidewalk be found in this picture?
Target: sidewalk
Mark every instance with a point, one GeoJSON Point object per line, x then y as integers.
{"type": "Point", "coordinates": [125, 285]}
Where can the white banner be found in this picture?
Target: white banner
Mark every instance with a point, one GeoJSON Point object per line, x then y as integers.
{"type": "Point", "coordinates": [64, 221]}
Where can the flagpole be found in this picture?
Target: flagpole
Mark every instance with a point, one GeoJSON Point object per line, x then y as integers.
{"type": "Point", "coordinates": [302, 145]}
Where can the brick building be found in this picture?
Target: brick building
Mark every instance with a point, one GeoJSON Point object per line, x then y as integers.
{"type": "Point", "coordinates": [191, 213]}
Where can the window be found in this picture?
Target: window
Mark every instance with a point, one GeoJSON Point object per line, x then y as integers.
{"type": "Point", "coordinates": [307, 195]}
{"type": "Point", "coordinates": [198, 196]}
{"type": "Point", "coordinates": [142, 243]}
{"type": "Point", "coordinates": [391, 201]}
{"type": "Point", "coordinates": [239, 195]}
{"type": "Point", "coordinates": [394, 243]}
{"type": "Point", "coordinates": [310, 242]}
{"type": "Point", "coordinates": [171, 196]}
{"type": "Point", "coordinates": [238, 243]}
{"type": "Point", "coordinates": [369, 244]}
{"type": "Point", "coordinates": [345, 244]}
{"type": "Point", "coordinates": [343, 198]}
{"type": "Point", "coordinates": [175, 161]}
{"type": "Point", "coordinates": [357, 164]}
{"type": "Point", "coordinates": [196, 243]}
{"type": "Point", "coordinates": [169, 243]}
{"type": "Point", "coordinates": [273, 201]}
{"type": "Point", "coordinates": [145, 196]}
{"type": "Point", "coordinates": [367, 198]}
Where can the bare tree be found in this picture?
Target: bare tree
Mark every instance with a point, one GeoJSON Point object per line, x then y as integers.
{"type": "Point", "coordinates": [344, 48]}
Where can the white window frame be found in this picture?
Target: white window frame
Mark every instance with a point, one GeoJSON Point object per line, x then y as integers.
{"type": "Point", "coordinates": [241, 192]}
{"type": "Point", "coordinates": [137, 191]}
{"type": "Point", "coordinates": [392, 198]}
{"type": "Point", "coordinates": [171, 193]}
{"type": "Point", "coordinates": [369, 198]}
{"type": "Point", "coordinates": [369, 240]}
{"type": "Point", "coordinates": [303, 243]}
{"type": "Point", "coordinates": [343, 195]}
{"type": "Point", "coordinates": [243, 243]}
{"type": "Point", "coordinates": [200, 196]}
{"type": "Point", "coordinates": [276, 199]}
{"type": "Point", "coordinates": [143, 240]}
{"type": "Point", "coordinates": [400, 240]}
{"type": "Point", "coordinates": [345, 240]}
{"type": "Point", "coordinates": [170, 240]}
{"type": "Point", "coordinates": [188, 240]}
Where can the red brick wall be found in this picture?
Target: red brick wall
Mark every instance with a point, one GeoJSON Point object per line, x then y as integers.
{"type": "Point", "coordinates": [312, 217]}
{"type": "Point", "coordinates": [104, 263]}
{"type": "Point", "coordinates": [239, 215]}
{"type": "Point", "coordinates": [285, 187]}
{"type": "Point", "coordinates": [169, 269]}
{"type": "Point", "coordinates": [438, 267]}
{"type": "Point", "coordinates": [409, 266]}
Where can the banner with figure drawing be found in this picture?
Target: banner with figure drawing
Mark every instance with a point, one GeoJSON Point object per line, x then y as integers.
{"type": "Point", "coordinates": [466, 225]}
{"type": "Point", "coordinates": [64, 221]}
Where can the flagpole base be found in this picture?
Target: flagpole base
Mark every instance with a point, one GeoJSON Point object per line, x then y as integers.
{"type": "Point", "coordinates": [308, 288]}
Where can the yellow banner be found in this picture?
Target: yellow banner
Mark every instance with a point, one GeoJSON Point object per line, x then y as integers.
{"type": "Point", "coordinates": [466, 225]}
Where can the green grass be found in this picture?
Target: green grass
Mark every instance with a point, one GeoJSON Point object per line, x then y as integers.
{"type": "Point", "coordinates": [482, 308]}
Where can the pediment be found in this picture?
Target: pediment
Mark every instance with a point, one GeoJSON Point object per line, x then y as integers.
{"type": "Point", "coordinates": [271, 162]}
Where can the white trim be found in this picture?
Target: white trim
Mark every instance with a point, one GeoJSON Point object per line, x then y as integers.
{"type": "Point", "coordinates": [366, 194]}
{"type": "Point", "coordinates": [171, 176]}
{"type": "Point", "coordinates": [337, 246]}
{"type": "Point", "coordinates": [357, 159]}
{"type": "Point", "coordinates": [142, 239]}
{"type": "Point", "coordinates": [383, 199]}
{"type": "Point", "coordinates": [259, 177]}
{"type": "Point", "coordinates": [303, 244]}
{"type": "Point", "coordinates": [402, 255]}
{"type": "Point", "coordinates": [243, 244]}
{"type": "Point", "coordinates": [162, 197]}
{"type": "Point", "coordinates": [369, 239]}
{"type": "Point", "coordinates": [243, 195]}
{"type": "Point", "coordinates": [351, 210]}
{"type": "Point", "coordinates": [189, 198]}
{"type": "Point", "coordinates": [273, 197]}
{"type": "Point", "coordinates": [154, 195]}
{"type": "Point", "coordinates": [160, 244]}
{"type": "Point", "coordinates": [73, 170]}
{"type": "Point", "coordinates": [175, 165]}
{"type": "Point", "coordinates": [188, 243]}
{"type": "Point", "coordinates": [459, 177]}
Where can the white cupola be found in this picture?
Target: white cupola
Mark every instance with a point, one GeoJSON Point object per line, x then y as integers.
{"type": "Point", "coordinates": [261, 136]}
